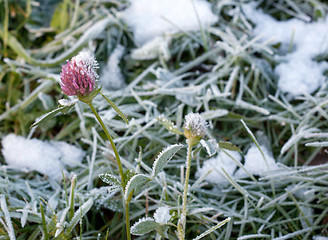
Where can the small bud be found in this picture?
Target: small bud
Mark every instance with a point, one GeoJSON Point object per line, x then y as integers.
{"type": "Point", "coordinates": [194, 128]}
{"type": "Point", "coordinates": [79, 76]}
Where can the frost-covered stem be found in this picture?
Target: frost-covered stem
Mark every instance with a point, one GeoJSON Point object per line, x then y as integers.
{"type": "Point", "coordinates": [127, 212]}
{"type": "Point", "coordinates": [182, 221]}
{"type": "Point", "coordinates": [127, 220]}
{"type": "Point", "coordinates": [110, 140]}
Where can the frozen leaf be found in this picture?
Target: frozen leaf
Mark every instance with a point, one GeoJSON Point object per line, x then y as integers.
{"type": "Point", "coordinates": [110, 179]}
{"type": "Point", "coordinates": [143, 226]}
{"type": "Point", "coordinates": [137, 181]}
{"type": "Point", "coordinates": [117, 110]}
{"type": "Point", "coordinates": [164, 157]}
{"type": "Point", "coordinates": [51, 114]}
{"type": "Point", "coordinates": [211, 146]}
{"type": "Point", "coordinates": [229, 146]}
{"type": "Point", "coordinates": [162, 215]}
{"type": "Point", "coordinates": [169, 125]}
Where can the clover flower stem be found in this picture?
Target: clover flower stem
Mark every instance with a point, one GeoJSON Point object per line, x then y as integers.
{"type": "Point", "coordinates": [127, 220]}
{"type": "Point", "coordinates": [182, 221]}
{"type": "Point", "coordinates": [127, 213]}
{"type": "Point", "coordinates": [110, 140]}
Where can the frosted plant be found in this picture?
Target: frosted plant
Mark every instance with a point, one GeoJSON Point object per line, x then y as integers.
{"type": "Point", "coordinates": [194, 128]}
{"type": "Point", "coordinates": [79, 76]}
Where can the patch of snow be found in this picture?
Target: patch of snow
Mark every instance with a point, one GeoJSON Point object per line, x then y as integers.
{"type": "Point", "coordinates": [152, 18]}
{"type": "Point", "coordinates": [111, 75]}
{"type": "Point", "coordinates": [215, 165]}
{"type": "Point", "coordinates": [298, 72]}
{"type": "Point", "coordinates": [45, 157]}
{"type": "Point", "coordinates": [255, 163]}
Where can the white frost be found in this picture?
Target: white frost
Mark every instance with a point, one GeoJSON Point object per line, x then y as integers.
{"type": "Point", "coordinates": [256, 164]}
{"type": "Point", "coordinates": [162, 215]}
{"type": "Point", "coordinates": [111, 75]}
{"type": "Point", "coordinates": [152, 18]}
{"type": "Point", "coordinates": [45, 157]}
{"type": "Point", "coordinates": [298, 72]}
{"type": "Point", "coordinates": [216, 164]}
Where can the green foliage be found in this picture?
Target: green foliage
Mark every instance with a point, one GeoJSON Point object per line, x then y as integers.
{"type": "Point", "coordinates": [144, 226]}
{"type": "Point", "coordinates": [226, 76]}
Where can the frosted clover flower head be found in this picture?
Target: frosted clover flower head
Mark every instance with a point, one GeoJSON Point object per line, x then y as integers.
{"type": "Point", "coordinates": [79, 76]}
{"type": "Point", "coordinates": [194, 127]}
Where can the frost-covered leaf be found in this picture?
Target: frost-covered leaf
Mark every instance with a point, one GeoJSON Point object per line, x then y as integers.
{"type": "Point", "coordinates": [211, 146]}
{"type": "Point", "coordinates": [208, 115]}
{"type": "Point", "coordinates": [164, 157]}
{"type": "Point", "coordinates": [137, 181]}
{"type": "Point", "coordinates": [51, 114]}
{"type": "Point", "coordinates": [79, 214]}
{"type": "Point", "coordinates": [229, 146]}
{"type": "Point", "coordinates": [162, 215]}
{"type": "Point", "coordinates": [128, 174]}
{"type": "Point", "coordinates": [162, 231]}
{"type": "Point", "coordinates": [117, 110]}
{"type": "Point", "coordinates": [110, 179]}
{"type": "Point", "coordinates": [67, 102]}
{"type": "Point", "coordinates": [143, 226]}
{"type": "Point", "coordinates": [169, 125]}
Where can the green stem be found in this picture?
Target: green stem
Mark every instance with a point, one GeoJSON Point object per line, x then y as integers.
{"type": "Point", "coordinates": [127, 220]}
{"type": "Point", "coordinates": [182, 221]}
{"type": "Point", "coordinates": [110, 140]}
{"type": "Point", "coordinates": [127, 212]}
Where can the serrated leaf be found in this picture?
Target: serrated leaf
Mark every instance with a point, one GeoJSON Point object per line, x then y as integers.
{"type": "Point", "coordinates": [169, 125]}
{"type": "Point", "coordinates": [164, 157]}
{"type": "Point", "coordinates": [137, 181]}
{"type": "Point", "coordinates": [143, 226]}
{"type": "Point", "coordinates": [229, 146]}
{"type": "Point", "coordinates": [117, 110]}
{"type": "Point", "coordinates": [51, 114]}
{"type": "Point", "coordinates": [211, 146]}
{"type": "Point", "coordinates": [110, 179]}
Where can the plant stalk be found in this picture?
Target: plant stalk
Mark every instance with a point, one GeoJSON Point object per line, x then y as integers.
{"type": "Point", "coordinates": [127, 220]}
{"type": "Point", "coordinates": [182, 221]}
{"type": "Point", "coordinates": [119, 163]}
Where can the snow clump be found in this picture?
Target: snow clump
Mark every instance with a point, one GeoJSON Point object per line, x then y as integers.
{"type": "Point", "coordinates": [256, 164]}
{"type": "Point", "coordinates": [152, 18]}
{"type": "Point", "coordinates": [46, 157]}
{"type": "Point", "coordinates": [298, 72]}
{"type": "Point", "coordinates": [224, 160]}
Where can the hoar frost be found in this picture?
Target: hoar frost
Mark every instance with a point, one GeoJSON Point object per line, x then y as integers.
{"type": "Point", "coordinates": [162, 215]}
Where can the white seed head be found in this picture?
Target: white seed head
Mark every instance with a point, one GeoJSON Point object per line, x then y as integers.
{"type": "Point", "coordinates": [195, 125]}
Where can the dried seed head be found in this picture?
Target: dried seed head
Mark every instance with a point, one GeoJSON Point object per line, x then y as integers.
{"type": "Point", "coordinates": [79, 76]}
{"type": "Point", "coordinates": [194, 127]}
